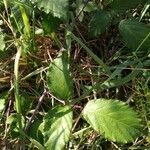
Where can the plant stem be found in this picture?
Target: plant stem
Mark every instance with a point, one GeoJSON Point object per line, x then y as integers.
{"type": "Point", "coordinates": [81, 131]}
{"type": "Point", "coordinates": [16, 73]}
{"type": "Point", "coordinates": [25, 20]}
{"type": "Point", "coordinates": [16, 86]}
{"type": "Point", "coordinates": [95, 57]}
{"type": "Point", "coordinates": [33, 141]}
{"type": "Point", "coordinates": [36, 109]}
{"type": "Point", "coordinates": [109, 84]}
{"type": "Point", "coordinates": [57, 41]}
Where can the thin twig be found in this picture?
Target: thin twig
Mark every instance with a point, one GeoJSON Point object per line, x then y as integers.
{"type": "Point", "coordinates": [74, 20]}
{"type": "Point", "coordinates": [85, 4]}
{"type": "Point", "coordinates": [61, 101]}
{"type": "Point", "coordinates": [77, 120]}
{"type": "Point", "coordinates": [36, 109]}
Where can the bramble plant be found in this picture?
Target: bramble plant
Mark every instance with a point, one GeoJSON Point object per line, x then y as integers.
{"type": "Point", "coordinates": [74, 74]}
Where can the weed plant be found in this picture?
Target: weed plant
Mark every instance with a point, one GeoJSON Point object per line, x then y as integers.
{"type": "Point", "coordinates": [74, 74]}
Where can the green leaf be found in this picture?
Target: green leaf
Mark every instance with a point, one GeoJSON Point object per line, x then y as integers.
{"type": "Point", "coordinates": [19, 16]}
{"type": "Point", "coordinates": [57, 127]}
{"type": "Point", "coordinates": [58, 8]}
{"type": "Point", "coordinates": [107, 2]}
{"type": "Point", "coordinates": [58, 77]}
{"type": "Point", "coordinates": [2, 42]}
{"type": "Point", "coordinates": [114, 118]}
{"type": "Point", "coordinates": [37, 144]}
{"type": "Point", "coordinates": [50, 23]}
{"type": "Point", "coordinates": [3, 102]}
{"type": "Point", "coordinates": [1, 4]}
{"type": "Point", "coordinates": [100, 21]}
{"type": "Point", "coordinates": [91, 6]}
{"type": "Point", "coordinates": [121, 6]}
{"type": "Point", "coordinates": [135, 34]}
{"type": "Point", "coordinates": [26, 103]}
{"type": "Point", "coordinates": [34, 131]}
{"type": "Point", "coordinates": [13, 121]}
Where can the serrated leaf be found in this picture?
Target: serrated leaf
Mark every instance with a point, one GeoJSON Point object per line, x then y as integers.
{"type": "Point", "coordinates": [2, 42]}
{"type": "Point", "coordinates": [113, 118]}
{"type": "Point", "coordinates": [134, 33]}
{"type": "Point", "coordinates": [121, 6]}
{"type": "Point", "coordinates": [58, 77]}
{"type": "Point", "coordinates": [57, 127]}
{"type": "Point", "coordinates": [99, 23]}
{"type": "Point", "coordinates": [58, 8]}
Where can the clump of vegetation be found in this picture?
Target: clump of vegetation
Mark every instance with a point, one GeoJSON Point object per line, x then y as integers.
{"type": "Point", "coordinates": [74, 74]}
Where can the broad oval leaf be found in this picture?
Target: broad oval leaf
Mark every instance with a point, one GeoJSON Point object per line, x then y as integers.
{"type": "Point", "coordinates": [58, 77]}
{"type": "Point", "coordinates": [114, 118]}
{"type": "Point", "coordinates": [135, 34]}
{"type": "Point", "coordinates": [100, 21]}
{"type": "Point", "coordinates": [121, 6]}
{"type": "Point", "coordinates": [58, 8]}
{"type": "Point", "coordinates": [57, 127]}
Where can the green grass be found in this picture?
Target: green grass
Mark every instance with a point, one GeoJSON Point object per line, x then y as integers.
{"type": "Point", "coordinates": [113, 64]}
